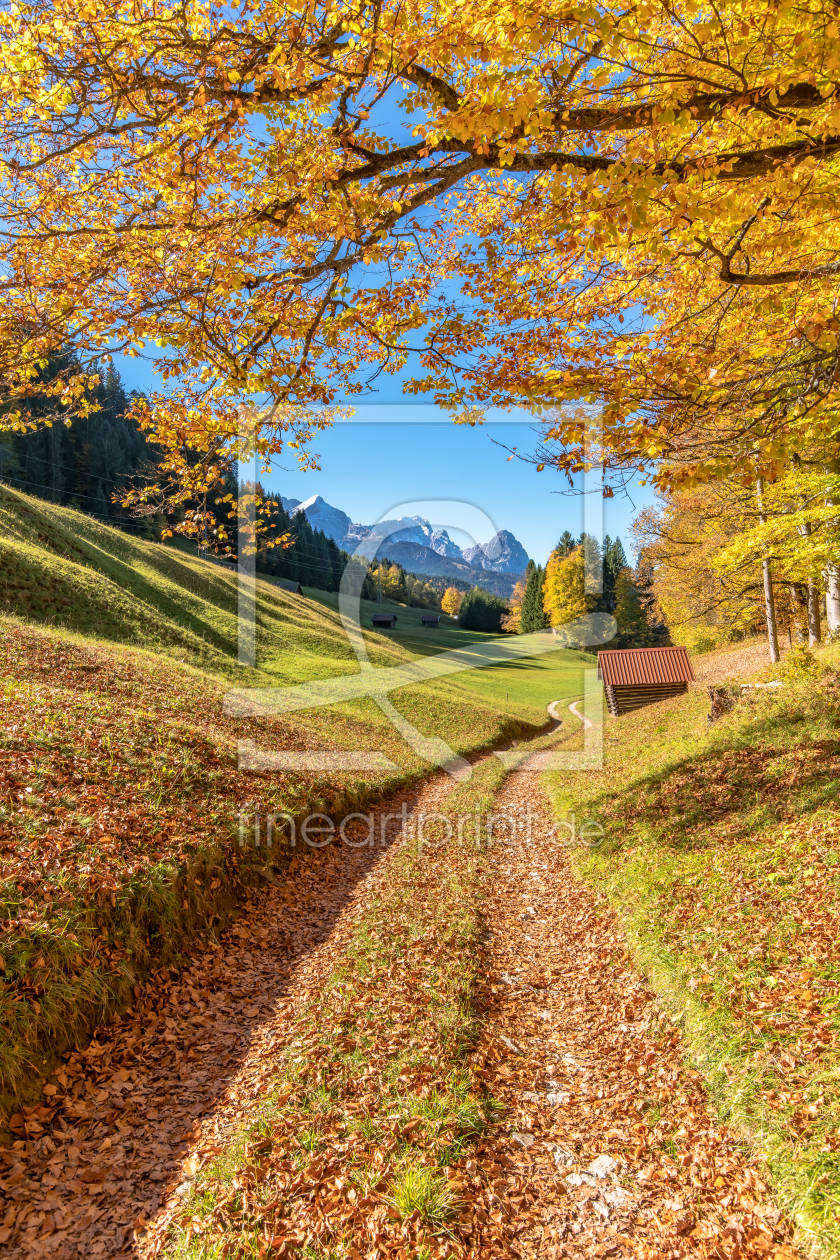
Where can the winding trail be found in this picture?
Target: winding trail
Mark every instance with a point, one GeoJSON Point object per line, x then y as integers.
{"type": "Point", "coordinates": [573, 708]}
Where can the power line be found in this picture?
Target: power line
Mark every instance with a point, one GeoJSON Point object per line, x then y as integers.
{"type": "Point", "coordinates": [94, 498]}
{"type": "Point", "coordinates": [54, 463]}
{"type": "Point", "coordinates": [120, 523]}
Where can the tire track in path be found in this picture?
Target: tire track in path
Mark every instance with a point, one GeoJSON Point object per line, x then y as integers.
{"type": "Point", "coordinates": [606, 1145]}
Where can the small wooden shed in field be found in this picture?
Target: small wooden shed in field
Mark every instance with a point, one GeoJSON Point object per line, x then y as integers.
{"type": "Point", "coordinates": [383, 621]}
{"type": "Point", "coordinates": [286, 584]}
{"type": "Point", "coordinates": [634, 677]}
{"type": "Point", "coordinates": [430, 619]}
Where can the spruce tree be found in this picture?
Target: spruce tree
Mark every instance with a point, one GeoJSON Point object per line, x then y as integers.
{"type": "Point", "coordinates": [614, 560]}
{"type": "Point", "coordinates": [481, 611]}
{"type": "Point", "coordinates": [630, 614]}
{"type": "Point", "coordinates": [533, 618]}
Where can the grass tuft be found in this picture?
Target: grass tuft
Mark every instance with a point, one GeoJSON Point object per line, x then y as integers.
{"type": "Point", "coordinates": [424, 1190]}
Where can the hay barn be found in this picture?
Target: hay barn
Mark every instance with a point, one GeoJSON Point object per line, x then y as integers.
{"type": "Point", "coordinates": [634, 677]}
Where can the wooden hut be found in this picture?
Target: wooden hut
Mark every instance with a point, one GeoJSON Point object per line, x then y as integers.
{"type": "Point", "coordinates": [383, 621]}
{"type": "Point", "coordinates": [430, 619]}
{"type": "Point", "coordinates": [634, 677]}
{"type": "Point", "coordinates": [286, 584]}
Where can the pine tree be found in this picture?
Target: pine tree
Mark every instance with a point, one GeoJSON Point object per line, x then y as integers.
{"type": "Point", "coordinates": [566, 544]}
{"type": "Point", "coordinates": [89, 463]}
{"type": "Point", "coordinates": [481, 611]}
{"type": "Point", "coordinates": [630, 614]}
{"type": "Point", "coordinates": [532, 617]}
{"type": "Point", "coordinates": [614, 560]}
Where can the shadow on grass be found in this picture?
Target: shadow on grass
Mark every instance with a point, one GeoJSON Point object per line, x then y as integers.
{"type": "Point", "coordinates": [752, 775]}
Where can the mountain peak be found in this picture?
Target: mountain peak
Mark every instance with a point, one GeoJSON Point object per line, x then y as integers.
{"type": "Point", "coordinates": [502, 554]}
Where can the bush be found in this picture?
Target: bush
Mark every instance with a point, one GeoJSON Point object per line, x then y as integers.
{"type": "Point", "coordinates": [799, 664]}
{"type": "Point", "coordinates": [482, 611]}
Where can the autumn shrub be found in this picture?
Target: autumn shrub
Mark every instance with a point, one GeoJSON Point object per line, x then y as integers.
{"type": "Point", "coordinates": [799, 664]}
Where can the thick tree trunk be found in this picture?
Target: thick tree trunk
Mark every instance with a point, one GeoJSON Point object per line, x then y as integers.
{"type": "Point", "coordinates": [832, 571]}
{"type": "Point", "coordinates": [769, 601]}
{"type": "Point", "coordinates": [814, 630]}
{"type": "Point", "coordinates": [770, 613]}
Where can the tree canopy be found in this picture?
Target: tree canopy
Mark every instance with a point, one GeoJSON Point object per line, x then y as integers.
{"type": "Point", "coordinates": [629, 204]}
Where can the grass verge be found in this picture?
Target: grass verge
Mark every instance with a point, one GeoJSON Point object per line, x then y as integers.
{"type": "Point", "coordinates": [721, 853]}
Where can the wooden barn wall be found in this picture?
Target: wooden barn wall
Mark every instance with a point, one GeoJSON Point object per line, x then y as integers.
{"type": "Point", "coordinates": [623, 699]}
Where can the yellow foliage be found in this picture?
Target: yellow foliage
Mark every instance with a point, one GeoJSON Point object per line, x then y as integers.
{"type": "Point", "coordinates": [622, 213]}
{"type": "Point", "coordinates": [564, 596]}
{"type": "Point", "coordinates": [512, 620]}
{"type": "Point", "coordinates": [451, 601]}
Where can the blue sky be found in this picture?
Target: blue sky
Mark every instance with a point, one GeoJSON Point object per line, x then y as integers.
{"type": "Point", "coordinates": [396, 452]}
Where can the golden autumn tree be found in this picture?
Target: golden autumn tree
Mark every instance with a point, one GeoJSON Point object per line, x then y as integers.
{"type": "Point", "coordinates": [451, 601]}
{"type": "Point", "coordinates": [564, 593]}
{"type": "Point", "coordinates": [633, 205]}
{"type": "Point", "coordinates": [512, 620]}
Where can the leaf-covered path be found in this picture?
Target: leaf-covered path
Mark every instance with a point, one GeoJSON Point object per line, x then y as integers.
{"type": "Point", "coordinates": [602, 1144]}
{"type": "Point", "coordinates": [605, 1145]}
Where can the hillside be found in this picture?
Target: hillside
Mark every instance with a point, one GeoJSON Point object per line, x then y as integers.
{"type": "Point", "coordinates": [120, 797]}
{"type": "Point", "coordinates": [685, 964]}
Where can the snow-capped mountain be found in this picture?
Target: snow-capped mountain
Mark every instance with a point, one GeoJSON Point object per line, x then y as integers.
{"type": "Point", "coordinates": [502, 554]}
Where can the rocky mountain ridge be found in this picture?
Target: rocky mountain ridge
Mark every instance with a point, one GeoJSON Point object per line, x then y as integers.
{"type": "Point", "coordinates": [423, 547]}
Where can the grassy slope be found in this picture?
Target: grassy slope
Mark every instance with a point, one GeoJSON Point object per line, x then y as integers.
{"type": "Point", "coordinates": [523, 688]}
{"type": "Point", "coordinates": [119, 788]}
{"type": "Point", "coordinates": [722, 852]}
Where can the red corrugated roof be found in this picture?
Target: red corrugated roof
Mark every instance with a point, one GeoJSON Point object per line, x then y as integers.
{"type": "Point", "coordinates": [625, 666]}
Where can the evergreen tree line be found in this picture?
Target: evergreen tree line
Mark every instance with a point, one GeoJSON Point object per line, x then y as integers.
{"type": "Point", "coordinates": [624, 594]}
{"type": "Point", "coordinates": [310, 557]}
{"type": "Point", "coordinates": [85, 463]}
{"type": "Point", "coordinates": [481, 610]}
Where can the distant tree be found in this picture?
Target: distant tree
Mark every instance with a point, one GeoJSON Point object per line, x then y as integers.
{"type": "Point", "coordinates": [532, 617]}
{"type": "Point", "coordinates": [567, 543]}
{"type": "Point", "coordinates": [613, 561]}
{"type": "Point", "coordinates": [451, 601]}
{"type": "Point", "coordinates": [482, 611]}
{"type": "Point", "coordinates": [512, 620]}
{"type": "Point", "coordinates": [564, 591]}
{"type": "Point", "coordinates": [634, 629]}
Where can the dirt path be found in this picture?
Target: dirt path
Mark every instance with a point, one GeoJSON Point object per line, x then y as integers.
{"type": "Point", "coordinates": [176, 1076]}
{"type": "Point", "coordinates": [604, 1145]}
